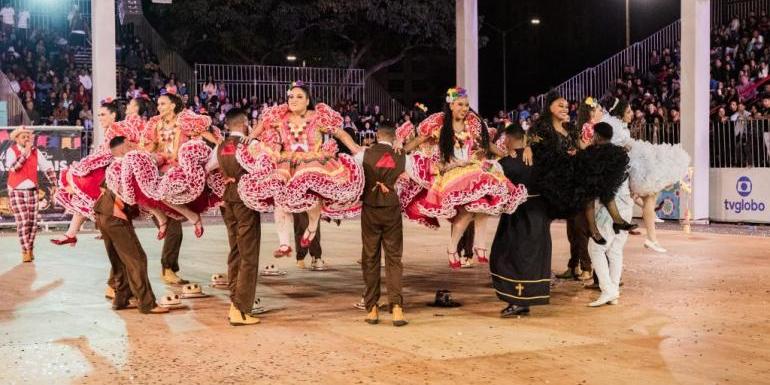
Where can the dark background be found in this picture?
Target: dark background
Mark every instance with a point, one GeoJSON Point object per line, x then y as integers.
{"type": "Point", "coordinates": [572, 35]}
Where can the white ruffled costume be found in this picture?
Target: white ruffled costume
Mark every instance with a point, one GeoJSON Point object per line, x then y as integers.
{"type": "Point", "coordinates": [652, 167]}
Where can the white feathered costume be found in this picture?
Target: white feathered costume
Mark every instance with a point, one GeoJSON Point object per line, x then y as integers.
{"type": "Point", "coordinates": [652, 167]}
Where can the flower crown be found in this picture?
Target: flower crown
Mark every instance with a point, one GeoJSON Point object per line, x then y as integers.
{"type": "Point", "coordinates": [591, 102]}
{"type": "Point", "coordinates": [167, 91]}
{"type": "Point", "coordinates": [295, 84]}
{"type": "Point", "coordinates": [107, 100]}
{"type": "Point", "coordinates": [421, 107]}
{"type": "Point", "coordinates": [455, 93]}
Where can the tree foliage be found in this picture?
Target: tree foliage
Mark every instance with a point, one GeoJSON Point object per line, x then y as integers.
{"type": "Point", "coordinates": [369, 34]}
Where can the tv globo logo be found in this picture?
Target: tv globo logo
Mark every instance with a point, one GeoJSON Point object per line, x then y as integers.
{"type": "Point", "coordinates": [743, 187]}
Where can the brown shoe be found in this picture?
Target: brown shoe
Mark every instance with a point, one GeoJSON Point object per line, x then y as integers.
{"type": "Point", "coordinates": [398, 316]}
{"type": "Point", "coordinates": [26, 256]}
{"type": "Point", "coordinates": [170, 277]}
{"type": "Point", "coordinates": [109, 292]}
{"type": "Point", "coordinates": [159, 310]}
{"type": "Point", "coordinates": [239, 318]}
{"type": "Point", "coordinates": [585, 275]}
{"type": "Point", "coordinates": [373, 318]}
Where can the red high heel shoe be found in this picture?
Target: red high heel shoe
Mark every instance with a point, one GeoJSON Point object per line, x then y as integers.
{"type": "Point", "coordinates": [198, 228]}
{"type": "Point", "coordinates": [282, 251]}
{"type": "Point", "coordinates": [454, 260]}
{"type": "Point", "coordinates": [162, 231]}
{"type": "Point", "coordinates": [306, 241]}
{"type": "Point", "coordinates": [72, 241]}
{"type": "Point", "coordinates": [482, 257]}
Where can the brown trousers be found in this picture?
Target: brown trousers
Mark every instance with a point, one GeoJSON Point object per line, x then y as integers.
{"type": "Point", "coordinates": [243, 234]}
{"type": "Point", "coordinates": [129, 262]}
{"type": "Point", "coordinates": [381, 228]}
{"type": "Point", "coordinates": [171, 244]}
{"type": "Point", "coordinates": [577, 234]}
{"type": "Point", "coordinates": [301, 222]}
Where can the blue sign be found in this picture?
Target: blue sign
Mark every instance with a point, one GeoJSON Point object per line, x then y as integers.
{"type": "Point", "coordinates": [3, 113]}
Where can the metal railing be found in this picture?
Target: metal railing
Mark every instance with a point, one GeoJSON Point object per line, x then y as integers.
{"type": "Point", "coordinates": [170, 61]}
{"type": "Point", "coordinates": [328, 85]}
{"type": "Point", "coordinates": [722, 11]}
{"type": "Point", "coordinates": [598, 79]}
{"type": "Point", "coordinates": [740, 143]}
{"type": "Point", "coordinates": [17, 115]}
{"type": "Point", "coordinates": [656, 133]}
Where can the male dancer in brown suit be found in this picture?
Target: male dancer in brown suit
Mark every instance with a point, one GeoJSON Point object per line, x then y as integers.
{"type": "Point", "coordinates": [381, 226]}
{"type": "Point", "coordinates": [243, 225]}
{"type": "Point", "coordinates": [129, 262]}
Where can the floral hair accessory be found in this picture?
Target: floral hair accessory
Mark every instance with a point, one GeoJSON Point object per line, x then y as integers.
{"type": "Point", "coordinates": [455, 93]}
{"type": "Point", "coordinates": [421, 107]}
{"type": "Point", "coordinates": [107, 100]}
{"type": "Point", "coordinates": [295, 84]}
{"type": "Point", "coordinates": [591, 102]}
{"type": "Point", "coordinates": [167, 91]}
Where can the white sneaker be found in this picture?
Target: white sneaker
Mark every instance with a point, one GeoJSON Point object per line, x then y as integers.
{"type": "Point", "coordinates": [360, 305]}
{"type": "Point", "coordinates": [654, 246]}
{"type": "Point", "coordinates": [318, 264]}
{"type": "Point", "coordinates": [658, 220]}
{"type": "Point", "coordinates": [603, 299]}
{"type": "Point", "coordinates": [466, 263]}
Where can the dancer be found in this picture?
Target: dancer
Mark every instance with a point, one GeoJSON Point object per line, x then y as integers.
{"type": "Point", "coordinates": [243, 225]}
{"type": "Point", "coordinates": [23, 161]}
{"type": "Point", "coordinates": [652, 167]}
{"type": "Point", "coordinates": [520, 259]}
{"type": "Point", "coordinates": [607, 258]}
{"type": "Point", "coordinates": [608, 174]}
{"type": "Point", "coordinates": [79, 184]}
{"type": "Point", "coordinates": [468, 186]}
{"type": "Point", "coordinates": [381, 224]}
{"type": "Point", "coordinates": [128, 260]}
{"type": "Point", "coordinates": [313, 177]}
{"type": "Point", "coordinates": [171, 180]}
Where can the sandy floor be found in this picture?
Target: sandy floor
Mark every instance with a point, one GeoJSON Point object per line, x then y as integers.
{"type": "Point", "coordinates": [697, 315]}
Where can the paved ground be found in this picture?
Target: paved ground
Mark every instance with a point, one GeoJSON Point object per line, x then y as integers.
{"type": "Point", "coordinates": [697, 315]}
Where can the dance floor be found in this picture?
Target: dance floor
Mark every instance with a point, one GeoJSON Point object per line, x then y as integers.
{"type": "Point", "coordinates": [697, 315]}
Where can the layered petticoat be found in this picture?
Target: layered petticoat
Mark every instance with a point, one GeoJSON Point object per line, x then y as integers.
{"type": "Point", "coordinates": [652, 167]}
{"type": "Point", "coordinates": [477, 186]}
{"type": "Point", "coordinates": [137, 180]}
{"type": "Point", "coordinates": [78, 187]}
{"type": "Point", "coordinates": [298, 180]}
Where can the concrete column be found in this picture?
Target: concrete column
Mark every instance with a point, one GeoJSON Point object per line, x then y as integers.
{"type": "Point", "coordinates": [103, 61]}
{"type": "Point", "coordinates": [695, 99]}
{"type": "Point", "coordinates": [467, 48]}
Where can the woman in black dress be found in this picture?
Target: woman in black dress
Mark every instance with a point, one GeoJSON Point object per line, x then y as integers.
{"type": "Point", "coordinates": [520, 261]}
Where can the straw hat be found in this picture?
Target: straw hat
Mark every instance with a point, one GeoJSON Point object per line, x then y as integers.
{"type": "Point", "coordinates": [18, 131]}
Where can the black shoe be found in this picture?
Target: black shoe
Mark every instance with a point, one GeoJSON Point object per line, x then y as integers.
{"type": "Point", "coordinates": [598, 239]}
{"type": "Point", "coordinates": [514, 311]}
{"type": "Point", "coordinates": [625, 226]}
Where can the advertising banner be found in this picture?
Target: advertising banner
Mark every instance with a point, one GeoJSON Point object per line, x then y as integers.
{"type": "Point", "coordinates": [740, 195]}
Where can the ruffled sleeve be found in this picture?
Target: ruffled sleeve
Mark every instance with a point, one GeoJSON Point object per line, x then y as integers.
{"type": "Point", "coordinates": [431, 126]}
{"type": "Point", "coordinates": [404, 132]}
{"type": "Point", "coordinates": [192, 124]}
{"type": "Point", "coordinates": [327, 120]}
{"type": "Point", "coordinates": [150, 130]}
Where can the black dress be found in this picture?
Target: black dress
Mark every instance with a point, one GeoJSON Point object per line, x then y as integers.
{"type": "Point", "coordinates": [520, 260]}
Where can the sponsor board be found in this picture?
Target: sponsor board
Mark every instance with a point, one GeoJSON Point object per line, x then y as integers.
{"type": "Point", "coordinates": [740, 195]}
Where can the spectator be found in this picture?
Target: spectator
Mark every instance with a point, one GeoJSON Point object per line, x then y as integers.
{"type": "Point", "coordinates": [7, 13]}
{"type": "Point", "coordinates": [34, 116]}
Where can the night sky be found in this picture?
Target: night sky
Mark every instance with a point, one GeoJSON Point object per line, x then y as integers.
{"type": "Point", "coordinates": [573, 35]}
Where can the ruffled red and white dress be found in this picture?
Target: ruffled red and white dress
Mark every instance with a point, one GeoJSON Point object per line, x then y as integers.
{"type": "Point", "coordinates": [479, 186]}
{"type": "Point", "coordinates": [168, 175]}
{"type": "Point", "coordinates": [293, 168]}
{"type": "Point", "coordinates": [78, 187]}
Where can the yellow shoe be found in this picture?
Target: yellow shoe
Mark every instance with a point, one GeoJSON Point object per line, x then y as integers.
{"type": "Point", "coordinates": [170, 277]}
{"type": "Point", "coordinates": [109, 293]}
{"type": "Point", "coordinates": [301, 264]}
{"type": "Point", "coordinates": [398, 316]}
{"type": "Point", "coordinates": [239, 318]}
{"type": "Point", "coordinates": [26, 256]}
{"type": "Point", "coordinates": [373, 317]}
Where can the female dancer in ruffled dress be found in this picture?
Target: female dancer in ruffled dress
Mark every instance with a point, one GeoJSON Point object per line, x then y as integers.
{"type": "Point", "coordinates": [460, 184]}
{"type": "Point", "coordinates": [170, 179]}
{"type": "Point", "coordinates": [79, 184]}
{"type": "Point", "coordinates": [312, 177]}
{"type": "Point", "coordinates": [652, 167]}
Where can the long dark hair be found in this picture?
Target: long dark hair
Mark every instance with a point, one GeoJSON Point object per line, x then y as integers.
{"type": "Point", "coordinates": [143, 105]}
{"type": "Point", "coordinates": [177, 101]}
{"type": "Point", "coordinates": [620, 107]}
{"type": "Point", "coordinates": [545, 121]}
{"type": "Point", "coordinates": [112, 107]}
{"type": "Point", "coordinates": [583, 113]}
{"type": "Point", "coordinates": [446, 138]}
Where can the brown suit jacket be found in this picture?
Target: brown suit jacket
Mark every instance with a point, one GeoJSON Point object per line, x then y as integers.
{"type": "Point", "coordinates": [382, 167]}
{"type": "Point", "coordinates": [230, 167]}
